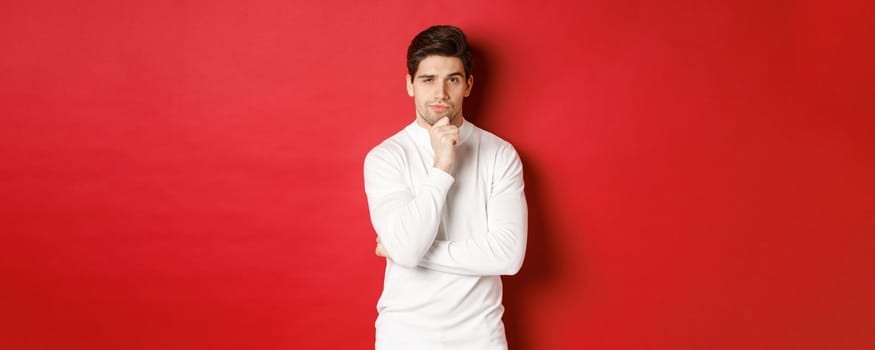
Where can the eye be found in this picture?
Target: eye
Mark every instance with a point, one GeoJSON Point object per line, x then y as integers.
{"type": "Point", "coordinates": [454, 80]}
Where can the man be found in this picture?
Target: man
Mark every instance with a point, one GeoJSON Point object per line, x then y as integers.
{"type": "Point", "coordinates": [446, 199]}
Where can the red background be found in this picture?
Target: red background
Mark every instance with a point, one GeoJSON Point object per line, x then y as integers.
{"type": "Point", "coordinates": [188, 174]}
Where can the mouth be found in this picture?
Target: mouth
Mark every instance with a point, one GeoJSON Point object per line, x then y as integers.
{"type": "Point", "coordinates": [439, 108]}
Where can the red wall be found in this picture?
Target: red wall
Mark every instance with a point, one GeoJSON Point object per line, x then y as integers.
{"type": "Point", "coordinates": [188, 174]}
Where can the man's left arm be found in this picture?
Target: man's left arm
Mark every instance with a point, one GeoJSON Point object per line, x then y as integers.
{"type": "Point", "coordinates": [500, 250]}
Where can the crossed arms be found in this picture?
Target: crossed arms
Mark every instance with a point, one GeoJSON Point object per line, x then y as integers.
{"type": "Point", "coordinates": [407, 223]}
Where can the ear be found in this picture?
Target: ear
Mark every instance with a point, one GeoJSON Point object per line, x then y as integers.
{"type": "Point", "coordinates": [470, 84]}
{"type": "Point", "coordinates": [409, 85]}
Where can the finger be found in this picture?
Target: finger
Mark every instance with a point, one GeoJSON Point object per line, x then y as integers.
{"type": "Point", "coordinates": [443, 130]}
{"type": "Point", "coordinates": [449, 134]}
{"type": "Point", "coordinates": [447, 130]}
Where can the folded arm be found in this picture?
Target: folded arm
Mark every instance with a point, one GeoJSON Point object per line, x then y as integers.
{"type": "Point", "coordinates": [501, 249]}
{"type": "Point", "coordinates": [406, 223]}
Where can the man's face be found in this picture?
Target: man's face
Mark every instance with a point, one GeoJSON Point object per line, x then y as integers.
{"type": "Point", "coordinates": [439, 88]}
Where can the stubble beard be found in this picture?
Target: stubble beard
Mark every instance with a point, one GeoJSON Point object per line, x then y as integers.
{"type": "Point", "coordinates": [452, 117]}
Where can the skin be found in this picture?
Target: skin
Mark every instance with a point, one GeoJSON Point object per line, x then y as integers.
{"type": "Point", "coordinates": [380, 251]}
{"type": "Point", "coordinates": [438, 89]}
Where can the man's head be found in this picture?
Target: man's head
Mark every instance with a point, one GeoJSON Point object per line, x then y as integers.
{"type": "Point", "coordinates": [445, 41]}
{"type": "Point", "coordinates": [439, 73]}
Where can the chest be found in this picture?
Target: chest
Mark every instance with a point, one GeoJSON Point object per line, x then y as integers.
{"type": "Point", "coordinates": [464, 212]}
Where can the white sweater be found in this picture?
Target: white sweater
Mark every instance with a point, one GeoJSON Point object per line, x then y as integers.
{"type": "Point", "coordinates": [449, 236]}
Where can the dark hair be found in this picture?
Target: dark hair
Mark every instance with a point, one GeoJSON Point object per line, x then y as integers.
{"type": "Point", "coordinates": [447, 41]}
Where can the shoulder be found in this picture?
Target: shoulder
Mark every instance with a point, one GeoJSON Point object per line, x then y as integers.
{"type": "Point", "coordinates": [495, 145]}
{"type": "Point", "coordinates": [390, 150]}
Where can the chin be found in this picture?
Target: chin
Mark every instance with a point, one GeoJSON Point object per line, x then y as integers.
{"type": "Point", "coordinates": [432, 119]}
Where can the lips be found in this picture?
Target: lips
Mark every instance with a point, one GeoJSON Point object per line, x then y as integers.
{"type": "Point", "coordinates": [439, 108]}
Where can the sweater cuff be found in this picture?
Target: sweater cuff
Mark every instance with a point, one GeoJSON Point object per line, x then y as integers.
{"type": "Point", "coordinates": [440, 178]}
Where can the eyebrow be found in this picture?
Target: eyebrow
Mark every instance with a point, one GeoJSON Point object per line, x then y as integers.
{"type": "Point", "coordinates": [426, 76]}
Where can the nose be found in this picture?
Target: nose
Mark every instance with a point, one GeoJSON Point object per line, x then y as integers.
{"type": "Point", "coordinates": [441, 93]}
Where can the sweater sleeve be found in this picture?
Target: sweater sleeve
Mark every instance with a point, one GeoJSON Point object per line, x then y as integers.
{"type": "Point", "coordinates": [406, 222]}
{"type": "Point", "coordinates": [500, 250]}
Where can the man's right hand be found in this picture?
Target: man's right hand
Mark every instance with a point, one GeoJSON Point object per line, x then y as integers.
{"type": "Point", "coordinates": [444, 138]}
